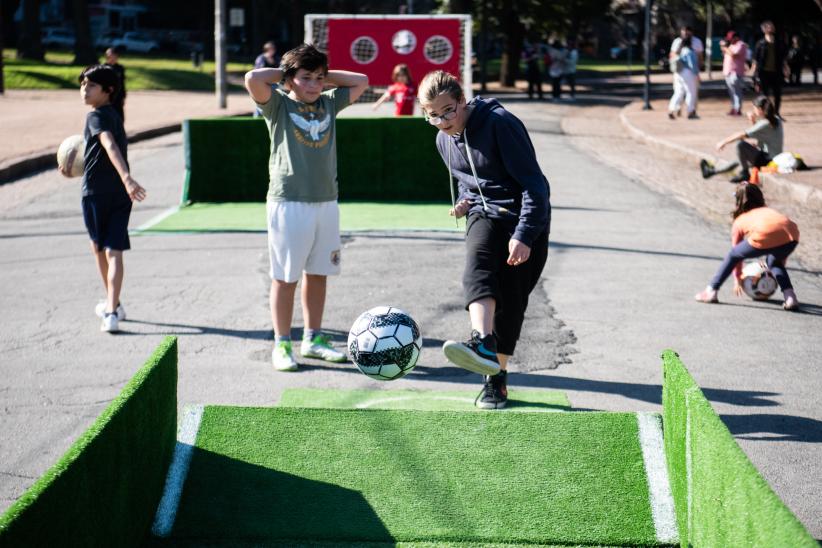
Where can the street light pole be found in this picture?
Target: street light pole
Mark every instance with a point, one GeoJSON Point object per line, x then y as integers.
{"type": "Point", "coordinates": [220, 84]}
{"type": "Point", "coordinates": [647, 90]}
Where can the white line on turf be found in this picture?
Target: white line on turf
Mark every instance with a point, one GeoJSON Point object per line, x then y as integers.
{"type": "Point", "coordinates": [177, 471]}
{"type": "Point", "coordinates": [157, 218]}
{"type": "Point", "coordinates": [656, 470]}
{"type": "Point", "coordinates": [379, 402]}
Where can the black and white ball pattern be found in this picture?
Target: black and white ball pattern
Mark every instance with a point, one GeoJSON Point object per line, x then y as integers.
{"type": "Point", "coordinates": [385, 343]}
{"type": "Point", "coordinates": [758, 282]}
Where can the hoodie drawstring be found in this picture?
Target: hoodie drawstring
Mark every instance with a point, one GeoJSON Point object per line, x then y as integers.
{"type": "Point", "coordinates": [473, 172]}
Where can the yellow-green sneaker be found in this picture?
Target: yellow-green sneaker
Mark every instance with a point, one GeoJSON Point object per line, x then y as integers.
{"type": "Point", "coordinates": [320, 347]}
{"type": "Point", "coordinates": [283, 358]}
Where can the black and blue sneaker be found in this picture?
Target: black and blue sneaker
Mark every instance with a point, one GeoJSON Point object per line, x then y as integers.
{"type": "Point", "coordinates": [494, 394]}
{"type": "Point", "coordinates": [478, 355]}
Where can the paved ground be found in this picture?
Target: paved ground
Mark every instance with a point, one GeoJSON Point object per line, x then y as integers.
{"type": "Point", "coordinates": [37, 121]}
{"type": "Point", "coordinates": [626, 256]}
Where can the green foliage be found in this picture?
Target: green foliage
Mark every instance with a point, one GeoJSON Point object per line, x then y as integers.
{"type": "Point", "coordinates": [104, 490]}
{"type": "Point", "coordinates": [720, 497]}
{"type": "Point", "coordinates": [142, 72]}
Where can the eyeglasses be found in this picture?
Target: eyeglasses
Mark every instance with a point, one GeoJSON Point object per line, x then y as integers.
{"type": "Point", "coordinates": [445, 116]}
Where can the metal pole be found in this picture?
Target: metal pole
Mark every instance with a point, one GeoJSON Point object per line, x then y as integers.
{"type": "Point", "coordinates": [710, 32]}
{"type": "Point", "coordinates": [647, 90]}
{"type": "Point", "coordinates": [630, 49]}
{"type": "Point", "coordinates": [221, 86]}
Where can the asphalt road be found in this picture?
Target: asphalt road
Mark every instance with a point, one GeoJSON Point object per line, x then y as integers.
{"type": "Point", "coordinates": [623, 265]}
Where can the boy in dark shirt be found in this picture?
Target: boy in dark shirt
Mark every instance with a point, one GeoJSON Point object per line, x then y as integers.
{"type": "Point", "coordinates": [108, 187]}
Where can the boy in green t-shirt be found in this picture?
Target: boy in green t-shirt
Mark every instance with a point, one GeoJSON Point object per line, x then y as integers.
{"type": "Point", "coordinates": [303, 216]}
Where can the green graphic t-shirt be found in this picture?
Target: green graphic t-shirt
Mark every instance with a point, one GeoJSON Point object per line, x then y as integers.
{"type": "Point", "coordinates": [303, 162]}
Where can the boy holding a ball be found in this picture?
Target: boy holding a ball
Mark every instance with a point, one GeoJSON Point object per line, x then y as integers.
{"type": "Point", "coordinates": [108, 187]}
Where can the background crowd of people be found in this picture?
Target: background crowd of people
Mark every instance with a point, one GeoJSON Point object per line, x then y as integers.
{"type": "Point", "coordinates": [554, 61]}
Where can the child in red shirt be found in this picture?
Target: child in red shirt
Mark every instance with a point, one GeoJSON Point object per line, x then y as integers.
{"type": "Point", "coordinates": [403, 90]}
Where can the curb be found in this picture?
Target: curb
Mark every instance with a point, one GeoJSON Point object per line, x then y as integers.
{"type": "Point", "coordinates": [802, 193]}
{"type": "Point", "coordinates": [45, 159]}
{"type": "Point", "coordinates": [40, 161]}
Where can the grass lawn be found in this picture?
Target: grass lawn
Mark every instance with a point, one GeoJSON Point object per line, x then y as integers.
{"type": "Point", "coordinates": [142, 72]}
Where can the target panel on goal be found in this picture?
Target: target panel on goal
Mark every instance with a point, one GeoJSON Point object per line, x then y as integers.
{"type": "Point", "coordinates": [374, 45]}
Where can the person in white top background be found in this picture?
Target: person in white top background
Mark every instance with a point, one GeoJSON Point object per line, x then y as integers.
{"type": "Point", "coordinates": [696, 45]}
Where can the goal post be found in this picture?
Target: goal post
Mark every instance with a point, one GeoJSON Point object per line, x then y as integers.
{"type": "Point", "coordinates": [374, 44]}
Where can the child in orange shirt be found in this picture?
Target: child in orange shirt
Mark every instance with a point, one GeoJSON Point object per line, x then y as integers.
{"type": "Point", "coordinates": [757, 231]}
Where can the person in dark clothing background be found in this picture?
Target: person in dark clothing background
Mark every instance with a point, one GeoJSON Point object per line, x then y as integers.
{"type": "Point", "coordinates": [769, 64]}
{"type": "Point", "coordinates": [118, 101]}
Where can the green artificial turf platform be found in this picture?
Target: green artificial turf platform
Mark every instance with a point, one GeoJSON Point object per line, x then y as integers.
{"type": "Point", "coordinates": [354, 216]}
{"type": "Point", "coordinates": [297, 476]}
{"type": "Point", "coordinates": [422, 400]}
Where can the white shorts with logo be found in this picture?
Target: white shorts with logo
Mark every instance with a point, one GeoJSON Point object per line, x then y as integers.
{"type": "Point", "coordinates": [303, 237]}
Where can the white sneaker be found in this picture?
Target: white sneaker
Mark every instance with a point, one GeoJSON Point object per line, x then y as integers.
{"type": "Point", "coordinates": [282, 358]}
{"type": "Point", "coordinates": [100, 310]}
{"type": "Point", "coordinates": [110, 323]}
{"type": "Point", "coordinates": [791, 303]}
{"type": "Point", "coordinates": [320, 347]}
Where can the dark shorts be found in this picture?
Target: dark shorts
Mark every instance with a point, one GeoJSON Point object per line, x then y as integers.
{"type": "Point", "coordinates": [487, 274]}
{"type": "Point", "coordinates": [106, 217]}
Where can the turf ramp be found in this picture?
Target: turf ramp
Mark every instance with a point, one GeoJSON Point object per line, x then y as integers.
{"type": "Point", "coordinates": [104, 489]}
{"type": "Point", "coordinates": [720, 497]}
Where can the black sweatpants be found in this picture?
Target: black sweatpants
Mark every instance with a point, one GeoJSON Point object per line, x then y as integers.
{"type": "Point", "coordinates": [488, 275]}
{"type": "Point", "coordinates": [770, 83]}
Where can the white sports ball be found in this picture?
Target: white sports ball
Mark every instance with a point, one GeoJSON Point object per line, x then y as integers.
{"type": "Point", "coordinates": [758, 282]}
{"type": "Point", "coordinates": [71, 155]}
{"type": "Point", "coordinates": [404, 42]}
{"type": "Point", "coordinates": [385, 343]}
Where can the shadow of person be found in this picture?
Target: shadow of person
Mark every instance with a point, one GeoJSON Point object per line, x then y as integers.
{"type": "Point", "coordinates": [804, 308]}
{"type": "Point", "coordinates": [170, 328]}
{"type": "Point", "coordinates": [651, 393]}
{"type": "Point", "coordinates": [772, 427]}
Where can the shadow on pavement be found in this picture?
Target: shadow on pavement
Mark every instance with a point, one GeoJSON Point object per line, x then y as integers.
{"type": "Point", "coordinates": [188, 329]}
{"type": "Point", "coordinates": [767, 427]}
{"type": "Point", "coordinates": [651, 393]}
{"type": "Point", "coordinates": [562, 245]}
{"type": "Point", "coordinates": [804, 308]}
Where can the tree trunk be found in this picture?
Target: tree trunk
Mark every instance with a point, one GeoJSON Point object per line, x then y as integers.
{"type": "Point", "coordinates": [31, 44]}
{"type": "Point", "coordinates": [513, 31]}
{"type": "Point", "coordinates": [84, 53]}
{"type": "Point", "coordinates": [460, 6]}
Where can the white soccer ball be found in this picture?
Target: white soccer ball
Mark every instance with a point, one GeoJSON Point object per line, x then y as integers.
{"type": "Point", "coordinates": [71, 155]}
{"type": "Point", "coordinates": [385, 343]}
{"type": "Point", "coordinates": [758, 282]}
{"type": "Point", "coordinates": [404, 42]}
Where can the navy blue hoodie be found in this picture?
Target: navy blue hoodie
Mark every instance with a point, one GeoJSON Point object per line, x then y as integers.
{"type": "Point", "coordinates": [511, 180]}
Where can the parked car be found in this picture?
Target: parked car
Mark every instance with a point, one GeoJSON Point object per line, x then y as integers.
{"type": "Point", "coordinates": [107, 39]}
{"type": "Point", "coordinates": [58, 38]}
{"type": "Point", "coordinates": [135, 41]}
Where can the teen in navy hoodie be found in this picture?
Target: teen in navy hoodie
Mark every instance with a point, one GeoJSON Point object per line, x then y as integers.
{"type": "Point", "coordinates": [505, 195]}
